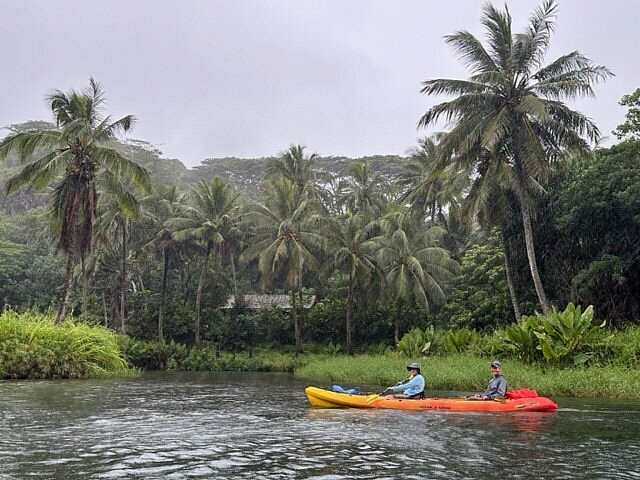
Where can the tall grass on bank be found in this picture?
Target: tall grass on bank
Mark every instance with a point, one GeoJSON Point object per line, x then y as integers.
{"type": "Point", "coordinates": [468, 373]}
{"type": "Point", "coordinates": [33, 346]}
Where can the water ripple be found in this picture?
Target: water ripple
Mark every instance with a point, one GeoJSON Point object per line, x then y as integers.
{"type": "Point", "coordinates": [183, 426]}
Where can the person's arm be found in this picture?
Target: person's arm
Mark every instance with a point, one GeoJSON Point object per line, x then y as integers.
{"type": "Point", "coordinates": [397, 388]}
{"type": "Point", "coordinates": [400, 387]}
{"type": "Point", "coordinates": [417, 381]}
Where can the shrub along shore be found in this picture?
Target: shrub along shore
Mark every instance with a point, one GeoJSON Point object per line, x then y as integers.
{"type": "Point", "coordinates": [33, 346]}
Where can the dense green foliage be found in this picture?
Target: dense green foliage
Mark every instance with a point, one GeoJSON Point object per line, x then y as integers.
{"type": "Point", "coordinates": [593, 230]}
{"type": "Point", "coordinates": [560, 338]}
{"type": "Point", "coordinates": [561, 335]}
{"type": "Point", "coordinates": [33, 346]}
{"type": "Point", "coordinates": [176, 356]}
{"type": "Point", "coordinates": [443, 251]}
{"type": "Point", "coordinates": [416, 342]}
{"type": "Point", "coordinates": [586, 201]}
{"type": "Point", "coordinates": [30, 271]}
{"type": "Point", "coordinates": [478, 297]}
{"type": "Point", "coordinates": [630, 129]}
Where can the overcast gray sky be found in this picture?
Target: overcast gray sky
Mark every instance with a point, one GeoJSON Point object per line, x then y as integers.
{"type": "Point", "coordinates": [248, 78]}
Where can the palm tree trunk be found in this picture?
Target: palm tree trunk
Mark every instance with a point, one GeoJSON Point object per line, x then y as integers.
{"type": "Point", "coordinates": [84, 289]}
{"type": "Point", "coordinates": [199, 294]}
{"type": "Point", "coordinates": [297, 309]}
{"type": "Point", "coordinates": [66, 291]}
{"type": "Point", "coordinates": [68, 243]}
{"type": "Point", "coordinates": [163, 293]}
{"type": "Point", "coordinates": [508, 269]}
{"type": "Point", "coordinates": [296, 323]}
{"type": "Point", "coordinates": [116, 321]}
{"type": "Point", "coordinates": [233, 273]}
{"type": "Point", "coordinates": [349, 313]}
{"type": "Point", "coordinates": [185, 280]}
{"type": "Point", "coordinates": [123, 279]}
{"type": "Point", "coordinates": [104, 311]}
{"type": "Point", "coordinates": [188, 278]}
{"type": "Point", "coordinates": [396, 333]}
{"type": "Point", "coordinates": [531, 255]}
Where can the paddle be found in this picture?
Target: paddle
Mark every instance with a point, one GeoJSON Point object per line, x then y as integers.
{"type": "Point", "coordinates": [495, 399]}
{"type": "Point", "coordinates": [381, 394]}
{"type": "Point", "coordinates": [375, 396]}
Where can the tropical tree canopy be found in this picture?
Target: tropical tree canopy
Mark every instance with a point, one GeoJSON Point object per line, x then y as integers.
{"type": "Point", "coordinates": [512, 107]}
{"type": "Point", "coordinates": [296, 167]}
{"type": "Point", "coordinates": [631, 127]}
{"type": "Point", "coordinates": [74, 158]}
{"type": "Point", "coordinates": [286, 242]}
{"type": "Point", "coordinates": [432, 184]}
{"type": "Point", "coordinates": [212, 221]}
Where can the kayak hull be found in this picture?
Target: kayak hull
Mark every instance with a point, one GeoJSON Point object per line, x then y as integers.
{"type": "Point", "coordinates": [319, 397]}
{"type": "Point", "coordinates": [533, 404]}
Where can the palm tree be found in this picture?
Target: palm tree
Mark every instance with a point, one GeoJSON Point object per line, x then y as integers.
{"type": "Point", "coordinates": [354, 254]}
{"type": "Point", "coordinates": [286, 241]}
{"type": "Point", "coordinates": [113, 229]}
{"type": "Point", "coordinates": [331, 191]}
{"type": "Point", "coordinates": [362, 191]}
{"type": "Point", "coordinates": [295, 166]}
{"type": "Point", "coordinates": [213, 221]}
{"type": "Point", "coordinates": [415, 267]}
{"type": "Point", "coordinates": [492, 201]}
{"type": "Point", "coordinates": [74, 158]}
{"type": "Point", "coordinates": [513, 103]}
{"type": "Point", "coordinates": [431, 183]}
{"type": "Point", "coordinates": [161, 208]}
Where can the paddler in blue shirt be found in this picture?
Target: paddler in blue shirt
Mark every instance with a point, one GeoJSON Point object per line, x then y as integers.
{"type": "Point", "coordinates": [412, 387]}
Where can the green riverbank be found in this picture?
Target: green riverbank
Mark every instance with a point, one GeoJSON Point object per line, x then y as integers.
{"type": "Point", "coordinates": [467, 373]}
{"type": "Point", "coordinates": [33, 346]}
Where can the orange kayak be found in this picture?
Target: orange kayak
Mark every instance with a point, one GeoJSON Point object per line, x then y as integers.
{"type": "Point", "coordinates": [319, 397]}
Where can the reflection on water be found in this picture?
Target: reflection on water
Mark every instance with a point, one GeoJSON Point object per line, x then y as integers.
{"type": "Point", "coordinates": [174, 426]}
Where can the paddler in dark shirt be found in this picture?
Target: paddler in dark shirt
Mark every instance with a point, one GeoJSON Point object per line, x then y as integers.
{"type": "Point", "coordinates": [497, 386]}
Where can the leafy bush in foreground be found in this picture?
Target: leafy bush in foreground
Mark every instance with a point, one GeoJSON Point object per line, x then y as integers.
{"type": "Point", "coordinates": [417, 342]}
{"type": "Point", "coordinates": [33, 346]}
{"type": "Point", "coordinates": [561, 338]}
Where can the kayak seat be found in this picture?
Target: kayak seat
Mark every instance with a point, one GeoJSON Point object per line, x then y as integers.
{"type": "Point", "coordinates": [418, 396]}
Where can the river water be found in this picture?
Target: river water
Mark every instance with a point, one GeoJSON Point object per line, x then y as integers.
{"type": "Point", "coordinates": [246, 425]}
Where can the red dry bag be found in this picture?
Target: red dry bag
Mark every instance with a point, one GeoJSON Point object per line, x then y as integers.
{"type": "Point", "coordinates": [521, 393]}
